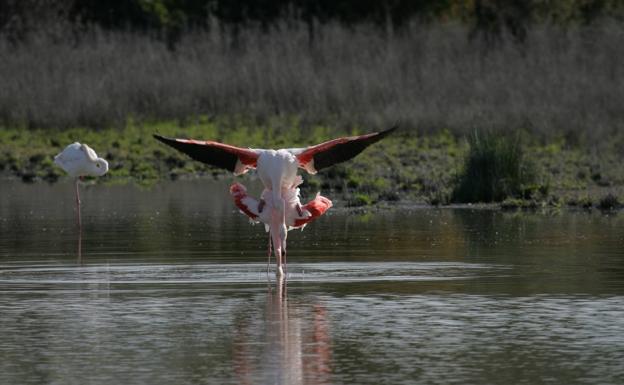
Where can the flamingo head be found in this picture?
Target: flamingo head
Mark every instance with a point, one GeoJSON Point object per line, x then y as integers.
{"type": "Point", "coordinates": [100, 167]}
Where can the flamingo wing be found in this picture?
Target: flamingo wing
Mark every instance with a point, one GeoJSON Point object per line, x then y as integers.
{"type": "Point", "coordinates": [232, 158]}
{"type": "Point", "coordinates": [89, 152]}
{"type": "Point", "coordinates": [320, 156]}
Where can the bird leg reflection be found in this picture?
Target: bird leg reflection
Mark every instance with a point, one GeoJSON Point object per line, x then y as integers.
{"type": "Point", "coordinates": [281, 290]}
{"type": "Point", "coordinates": [80, 246]}
{"type": "Point", "coordinates": [269, 257]}
{"type": "Point", "coordinates": [302, 339]}
{"type": "Point", "coordinates": [287, 343]}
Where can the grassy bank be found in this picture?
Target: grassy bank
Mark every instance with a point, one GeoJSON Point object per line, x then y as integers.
{"type": "Point", "coordinates": [413, 167]}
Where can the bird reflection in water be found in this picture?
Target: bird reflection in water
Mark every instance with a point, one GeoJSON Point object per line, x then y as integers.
{"type": "Point", "coordinates": [79, 252]}
{"type": "Point", "coordinates": [297, 346]}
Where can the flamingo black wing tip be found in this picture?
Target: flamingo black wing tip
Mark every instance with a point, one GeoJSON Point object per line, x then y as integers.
{"type": "Point", "coordinates": [161, 138]}
{"type": "Point", "coordinates": [382, 134]}
{"type": "Point", "coordinates": [168, 141]}
{"type": "Point", "coordinates": [390, 130]}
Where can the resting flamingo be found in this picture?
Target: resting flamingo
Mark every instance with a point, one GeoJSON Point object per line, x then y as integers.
{"type": "Point", "coordinates": [279, 208]}
{"type": "Point", "coordinates": [79, 160]}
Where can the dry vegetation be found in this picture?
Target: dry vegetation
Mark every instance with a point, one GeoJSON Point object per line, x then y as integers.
{"type": "Point", "coordinates": [560, 81]}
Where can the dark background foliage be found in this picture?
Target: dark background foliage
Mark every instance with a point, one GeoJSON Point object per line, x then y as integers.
{"type": "Point", "coordinates": [170, 17]}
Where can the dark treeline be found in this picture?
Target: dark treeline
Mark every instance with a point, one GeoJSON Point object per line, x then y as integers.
{"type": "Point", "coordinates": [170, 18]}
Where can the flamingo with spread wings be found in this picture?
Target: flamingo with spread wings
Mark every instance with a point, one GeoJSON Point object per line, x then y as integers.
{"type": "Point", "coordinates": [279, 207]}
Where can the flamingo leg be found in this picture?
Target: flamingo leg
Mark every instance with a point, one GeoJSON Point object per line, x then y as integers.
{"type": "Point", "coordinates": [78, 205]}
{"type": "Point", "coordinates": [285, 236]}
{"type": "Point", "coordinates": [276, 238]}
{"type": "Point", "coordinates": [279, 262]}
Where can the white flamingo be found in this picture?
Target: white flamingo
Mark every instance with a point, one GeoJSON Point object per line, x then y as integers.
{"type": "Point", "coordinates": [277, 170]}
{"type": "Point", "coordinates": [79, 160]}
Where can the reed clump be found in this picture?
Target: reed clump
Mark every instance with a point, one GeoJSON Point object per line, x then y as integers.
{"type": "Point", "coordinates": [495, 169]}
{"type": "Point", "coordinates": [609, 202]}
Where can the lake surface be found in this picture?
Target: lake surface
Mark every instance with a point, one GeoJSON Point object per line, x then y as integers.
{"type": "Point", "coordinates": [171, 287]}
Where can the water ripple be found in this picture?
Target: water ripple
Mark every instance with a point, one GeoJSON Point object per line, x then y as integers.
{"type": "Point", "coordinates": [244, 273]}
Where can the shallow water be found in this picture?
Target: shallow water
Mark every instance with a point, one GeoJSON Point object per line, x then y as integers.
{"type": "Point", "coordinates": [171, 286]}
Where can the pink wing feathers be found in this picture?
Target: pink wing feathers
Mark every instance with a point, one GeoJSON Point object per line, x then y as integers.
{"type": "Point", "coordinates": [246, 204]}
{"type": "Point", "coordinates": [316, 208]}
{"type": "Point", "coordinates": [249, 206]}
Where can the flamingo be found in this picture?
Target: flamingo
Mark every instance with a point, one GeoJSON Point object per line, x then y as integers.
{"type": "Point", "coordinates": [79, 160]}
{"type": "Point", "coordinates": [277, 170]}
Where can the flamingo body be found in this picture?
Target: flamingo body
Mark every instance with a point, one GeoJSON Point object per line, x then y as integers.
{"type": "Point", "coordinates": [80, 160]}
{"type": "Point", "coordinates": [278, 172]}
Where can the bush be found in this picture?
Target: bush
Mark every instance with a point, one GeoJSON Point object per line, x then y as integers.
{"type": "Point", "coordinates": [495, 169]}
{"type": "Point", "coordinates": [360, 200]}
{"type": "Point", "coordinates": [609, 202]}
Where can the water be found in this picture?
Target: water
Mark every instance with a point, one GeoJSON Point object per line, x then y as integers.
{"type": "Point", "coordinates": [171, 287]}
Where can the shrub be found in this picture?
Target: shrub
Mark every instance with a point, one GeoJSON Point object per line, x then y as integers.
{"type": "Point", "coordinates": [495, 169]}
{"type": "Point", "coordinates": [360, 200]}
{"type": "Point", "coordinates": [609, 202]}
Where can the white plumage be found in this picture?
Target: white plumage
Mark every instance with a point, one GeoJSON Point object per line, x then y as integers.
{"type": "Point", "coordinates": [80, 160]}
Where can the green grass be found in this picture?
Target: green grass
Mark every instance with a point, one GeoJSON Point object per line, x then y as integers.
{"type": "Point", "coordinates": [407, 166]}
